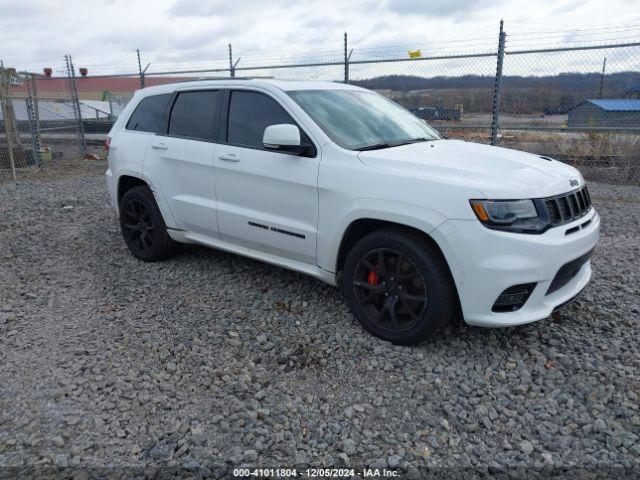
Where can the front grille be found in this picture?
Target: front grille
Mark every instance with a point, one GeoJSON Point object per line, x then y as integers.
{"type": "Point", "coordinates": [567, 272]}
{"type": "Point", "coordinates": [567, 207]}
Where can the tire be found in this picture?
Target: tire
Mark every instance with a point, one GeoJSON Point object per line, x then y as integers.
{"type": "Point", "coordinates": [407, 300]}
{"type": "Point", "coordinates": [143, 227]}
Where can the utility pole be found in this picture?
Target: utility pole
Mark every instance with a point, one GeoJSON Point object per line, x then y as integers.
{"type": "Point", "coordinates": [604, 66]}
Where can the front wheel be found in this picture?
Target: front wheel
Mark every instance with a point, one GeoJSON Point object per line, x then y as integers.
{"type": "Point", "coordinates": [398, 286]}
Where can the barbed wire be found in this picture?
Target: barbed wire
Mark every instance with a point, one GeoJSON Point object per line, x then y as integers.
{"type": "Point", "coordinates": [517, 39]}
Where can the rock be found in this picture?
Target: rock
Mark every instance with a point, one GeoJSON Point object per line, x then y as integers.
{"type": "Point", "coordinates": [526, 447]}
{"type": "Point", "coordinates": [348, 446]}
{"type": "Point", "coordinates": [61, 460]}
{"type": "Point", "coordinates": [58, 441]}
{"type": "Point", "coordinates": [394, 461]}
{"type": "Point", "coordinates": [599, 425]}
{"type": "Point", "coordinates": [250, 456]}
{"type": "Point", "coordinates": [301, 459]}
{"type": "Point", "coordinates": [423, 452]}
{"type": "Point", "coordinates": [200, 361]}
{"type": "Point", "coordinates": [378, 463]}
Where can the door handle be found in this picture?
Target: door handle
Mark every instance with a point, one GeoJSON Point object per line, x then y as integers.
{"type": "Point", "coordinates": [229, 157]}
{"type": "Point", "coordinates": [159, 146]}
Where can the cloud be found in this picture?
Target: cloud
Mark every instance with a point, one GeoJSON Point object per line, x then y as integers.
{"type": "Point", "coordinates": [438, 8]}
{"type": "Point", "coordinates": [199, 8]}
{"type": "Point", "coordinates": [567, 8]}
{"type": "Point", "coordinates": [104, 34]}
{"type": "Point", "coordinates": [20, 9]}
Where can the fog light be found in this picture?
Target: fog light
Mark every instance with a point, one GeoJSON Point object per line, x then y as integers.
{"type": "Point", "coordinates": [513, 298]}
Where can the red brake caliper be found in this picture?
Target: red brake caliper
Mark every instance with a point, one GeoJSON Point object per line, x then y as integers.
{"type": "Point", "coordinates": [372, 278]}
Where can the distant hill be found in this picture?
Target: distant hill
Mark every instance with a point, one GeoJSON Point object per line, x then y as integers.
{"type": "Point", "coordinates": [533, 94]}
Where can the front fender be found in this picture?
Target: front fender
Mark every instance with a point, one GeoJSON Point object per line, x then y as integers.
{"type": "Point", "coordinates": [332, 231]}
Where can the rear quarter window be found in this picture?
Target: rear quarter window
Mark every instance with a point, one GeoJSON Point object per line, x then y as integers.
{"type": "Point", "coordinates": [148, 114]}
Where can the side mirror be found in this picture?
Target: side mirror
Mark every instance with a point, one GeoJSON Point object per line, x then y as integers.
{"type": "Point", "coordinates": [283, 138]}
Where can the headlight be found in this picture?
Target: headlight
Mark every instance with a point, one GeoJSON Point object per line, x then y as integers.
{"type": "Point", "coordinates": [510, 215]}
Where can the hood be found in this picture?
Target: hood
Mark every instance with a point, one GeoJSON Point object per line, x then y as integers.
{"type": "Point", "coordinates": [496, 172]}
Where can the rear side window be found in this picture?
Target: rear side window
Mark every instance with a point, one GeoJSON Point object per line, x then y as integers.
{"type": "Point", "coordinates": [194, 115]}
{"type": "Point", "coordinates": [249, 114]}
{"type": "Point", "coordinates": [148, 114]}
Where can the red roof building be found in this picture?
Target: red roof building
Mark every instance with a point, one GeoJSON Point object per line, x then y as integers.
{"type": "Point", "coordinates": [91, 88]}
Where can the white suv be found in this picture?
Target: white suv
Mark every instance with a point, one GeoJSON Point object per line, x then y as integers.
{"type": "Point", "coordinates": [340, 183]}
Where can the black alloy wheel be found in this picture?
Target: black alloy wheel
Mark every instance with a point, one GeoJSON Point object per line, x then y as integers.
{"type": "Point", "coordinates": [398, 285]}
{"type": "Point", "coordinates": [390, 289]}
{"type": "Point", "coordinates": [138, 227]}
{"type": "Point", "coordinates": [143, 227]}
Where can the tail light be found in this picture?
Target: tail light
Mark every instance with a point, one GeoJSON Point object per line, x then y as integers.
{"type": "Point", "coordinates": [107, 142]}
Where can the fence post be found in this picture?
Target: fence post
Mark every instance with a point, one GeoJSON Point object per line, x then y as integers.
{"type": "Point", "coordinates": [36, 106]}
{"type": "Point", "coordinates": [7, 112]}
{"type": "Point", "coordinates": [232, 70]}
{"type": "Point", "coordinates": [141, 72]}
{"type": "Point", "coordinates": [346, 60]}
{"type": "Point", "coordinates": [495, 112]}
{"type": "Point", "coordinates": [110, 106]}
{"type": "Point", "coordinates": [34, 124]}
{"type": "Point", "coordinates": [76, 103]}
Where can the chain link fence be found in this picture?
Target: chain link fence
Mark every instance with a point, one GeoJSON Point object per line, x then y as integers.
{"type": "Point", "coordinates": [579, 104]}
{"type": "Point", "coordinates": [40, 119]}
{"type": "Point", "coordinates": [19, 141]}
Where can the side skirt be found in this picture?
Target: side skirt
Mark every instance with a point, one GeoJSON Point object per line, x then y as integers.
{"type": "Point", "coordinates": [295, 265]}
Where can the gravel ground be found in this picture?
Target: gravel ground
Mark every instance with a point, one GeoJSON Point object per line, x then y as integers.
{"type": "Point", "coordinates": [210, 361]}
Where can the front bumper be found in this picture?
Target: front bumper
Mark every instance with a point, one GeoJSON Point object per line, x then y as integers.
{"type": "Point", "coordinates": [485, 262]}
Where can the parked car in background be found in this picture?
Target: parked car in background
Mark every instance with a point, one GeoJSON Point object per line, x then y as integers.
{"type": "Point", "coordinates": [340, 183]}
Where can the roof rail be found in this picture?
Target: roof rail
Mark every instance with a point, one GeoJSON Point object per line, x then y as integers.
{"type": "Point", "coordinates": [202, 79]}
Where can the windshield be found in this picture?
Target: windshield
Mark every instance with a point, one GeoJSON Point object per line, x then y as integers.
{"type": "Point", "coordinates": [362, 120]}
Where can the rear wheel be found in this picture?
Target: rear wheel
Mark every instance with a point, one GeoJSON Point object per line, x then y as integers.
{"type": "Point", "coordinates": [143, 228]}
{"type": "Point", "coordinates": [398, 286]}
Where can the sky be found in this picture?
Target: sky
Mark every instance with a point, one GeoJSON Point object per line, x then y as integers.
{"type": "Point", "coordinates": [103, 35]}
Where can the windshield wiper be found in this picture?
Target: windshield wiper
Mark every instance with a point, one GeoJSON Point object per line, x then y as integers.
{"type": "Point", "coordinates": [378, 146]}
{"type": "Point", "coordinates": [375, 146]}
